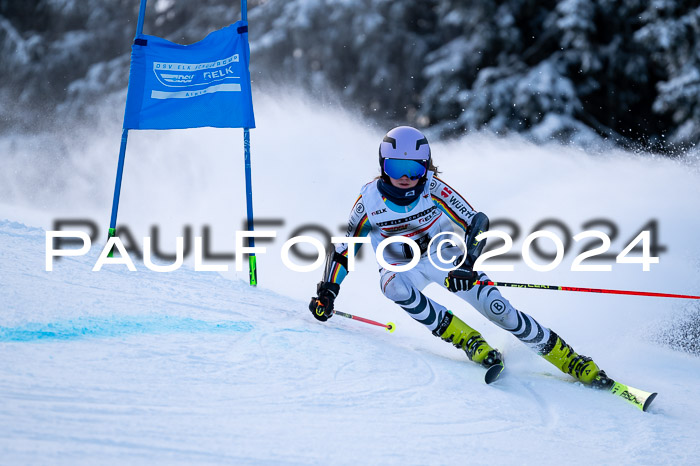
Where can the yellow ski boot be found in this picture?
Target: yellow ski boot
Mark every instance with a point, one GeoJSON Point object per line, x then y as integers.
{"type": "Point", "coordinates": [453, 330]}
{"type": "Point", "coordinates": [568, 361]}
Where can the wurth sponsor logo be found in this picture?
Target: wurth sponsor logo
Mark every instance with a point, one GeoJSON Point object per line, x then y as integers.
{"type": "Point", "coordinates": [446, 192]}
{"type": "Point", "coordinates": [461, 208]}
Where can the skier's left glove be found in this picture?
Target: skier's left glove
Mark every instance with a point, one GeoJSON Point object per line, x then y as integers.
{"type": "Point", "coordinates": [321, 306]}
{"type": "Point", "coordinates": [463, 277]}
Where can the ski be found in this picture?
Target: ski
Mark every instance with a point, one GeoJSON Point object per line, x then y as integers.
{"type": "Point", "coordinates": [493, 372]}
{"type": "Point", "coordinates": [634, 396]}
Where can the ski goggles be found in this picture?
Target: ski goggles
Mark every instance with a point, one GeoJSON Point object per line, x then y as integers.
{"type": "Point", "coordinates": [413, 169]}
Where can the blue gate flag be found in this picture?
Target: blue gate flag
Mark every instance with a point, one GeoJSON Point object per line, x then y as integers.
{"type": "Point", "coordinates": [173, 86]}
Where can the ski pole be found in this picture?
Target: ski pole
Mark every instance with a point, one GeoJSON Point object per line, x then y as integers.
{"type": "Point", "coordinates": [389, 326]}
{"type": "Point", "coordinates": [584, 290]}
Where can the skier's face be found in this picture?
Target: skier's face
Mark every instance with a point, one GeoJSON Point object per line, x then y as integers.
{"type": "Point", "coordinates": [404, 182]}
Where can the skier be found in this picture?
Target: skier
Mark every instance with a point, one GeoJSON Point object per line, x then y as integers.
{"type": "Point", "coordinates": [408, 199]}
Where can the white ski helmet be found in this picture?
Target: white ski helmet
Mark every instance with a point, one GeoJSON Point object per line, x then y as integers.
{"type": "Point", "coordinates": [404, 143]}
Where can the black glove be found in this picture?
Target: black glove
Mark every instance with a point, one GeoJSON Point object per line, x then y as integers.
{"type": "Point", "coordinates": [321, 306]}
{"type": "Point", "coordinates": [463, 277]}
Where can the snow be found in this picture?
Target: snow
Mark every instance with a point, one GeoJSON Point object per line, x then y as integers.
{"type": "Point", "coordinates": [197, 367]}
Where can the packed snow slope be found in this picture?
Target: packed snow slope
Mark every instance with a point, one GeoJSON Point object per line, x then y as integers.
{"type": "Point", "coordinates": [196, 367]}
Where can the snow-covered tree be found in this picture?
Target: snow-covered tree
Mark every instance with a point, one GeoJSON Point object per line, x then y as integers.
{"type": "Point", "coordinates": [671, 34]}
{"type": "Point", "coordinates": [571, 70]}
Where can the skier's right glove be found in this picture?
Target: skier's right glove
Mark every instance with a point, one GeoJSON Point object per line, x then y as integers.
{"type": "Point", "coordinates": [463, 277]}
{"type": "Point", "coordinates": [321, 306]}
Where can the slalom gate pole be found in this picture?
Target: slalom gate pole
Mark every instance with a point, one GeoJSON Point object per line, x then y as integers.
{"type": "Point", "coordinates": [122, 148]}
{"type": "Point", "coordinates": [389, 326]}
{"type": "Point", "coordinates": [252, 261]}
{"type": "Point", "coordinates": [118, 186]}
{"type": "Point", "coordinates": [142, 15]}
{"type": "Point", "coordinates": [585, 290]}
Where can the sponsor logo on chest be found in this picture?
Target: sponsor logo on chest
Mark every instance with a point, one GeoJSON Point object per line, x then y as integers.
{"type": "Point", "coordinates": [412, 223]}
{"type": "Point", "coordinates": [408, 219]}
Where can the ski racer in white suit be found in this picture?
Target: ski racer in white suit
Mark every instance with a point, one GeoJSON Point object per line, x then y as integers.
{"type": "Point", "coordinates": [409, 200]}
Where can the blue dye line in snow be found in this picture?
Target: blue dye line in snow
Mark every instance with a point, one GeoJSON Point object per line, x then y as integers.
{"type": "Point", "coordinates": [105, 327]}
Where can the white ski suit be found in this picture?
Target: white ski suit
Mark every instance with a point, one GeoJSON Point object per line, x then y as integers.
{"type": "Point", "coordinates": [436, 210]}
